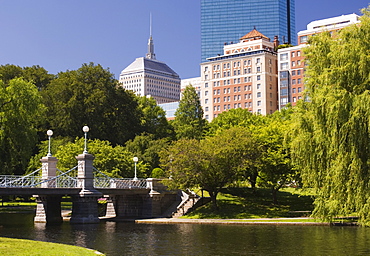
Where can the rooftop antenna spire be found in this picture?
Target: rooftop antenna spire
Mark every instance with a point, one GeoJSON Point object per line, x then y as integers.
{"type": "Point", "coordinates": [150, 25]}
{"type": "Point", "coordinates": [150, 54]}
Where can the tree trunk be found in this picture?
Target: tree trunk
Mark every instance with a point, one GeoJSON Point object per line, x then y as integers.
{"type": "Point", "coordinates": [274, 196]}
{"type": "Point", "coordinates": [213, 196]}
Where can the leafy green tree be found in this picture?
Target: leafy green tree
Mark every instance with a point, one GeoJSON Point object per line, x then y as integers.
{"type": "Point", "coordinates": [211, 163]}
{"type": "Point", "coordinates": [9, 72]}
{"type": "Point", "coordinates": [38, 76]}
{"type": "Point", "coordinates": [158, 173]}
{"type": "Point", "coordinates": [154, 119]}
{"type": "Point", "coordinates": [21, 111]}
{"type": "Point", "coordinates": [90, 96]}
{"type": "Point", "coordinates": [332, 139]}
{"type": "Point", "coordinates": [113, 161]}
{"type": "Point", "coordinates": [35, 74]}
{"type": "Point", "coordinates": [237, 117]}
{"type": "Point", "coordinates": [274, 167]}
{"type": "Point", "coordinates": [147, 149]}
{"type": "Point", "coordinates": [189, 122]}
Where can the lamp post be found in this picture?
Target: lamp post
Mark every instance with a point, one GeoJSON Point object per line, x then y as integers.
{"type": "Point", "coordinates": [85, 129]}
{"type": "Point", "coordinates": [135, 161]}
{"type": "Point", "coordinates": [49, 133]}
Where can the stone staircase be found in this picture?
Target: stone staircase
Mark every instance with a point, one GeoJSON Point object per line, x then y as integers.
{"type": "Point", "coordinates": [189, 202]}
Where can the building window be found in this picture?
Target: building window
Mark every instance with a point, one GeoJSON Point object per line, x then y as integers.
{"type": "Point", "coordinates": [284, 66]}
{"type": "Point", "coordinates": [206, 85]}
{"type": "Point", "coordinates": [205, 93]}
{"type": "Point", "coordinates": [206, 68]}
{"type": "Point", "coordinates": [293, 81]}
{"type": "Point", "coordinates": [259, 103]}
{"type": "Point", "coordinates": [284, 56]}
{"type": "Point", "coordinates": [298, 53]}
{"type": "Point", "coordinates": [299, 89]}
{"type": "Point", "coordinates": [206, 77]}
{"type": "Point", "coordinates": [302, 40]}
{"type": "Point", "coordinates": [259, 111]}
{"type": "Point", "coordinates": [294, 99]}
{"type": "Point", "coordinates": [293, 54]}
{"type": "Point", "coordinates": [298, 72]}
{"type": "Point", "coordinates": [259, 94]}
{"type": "Point", "coordinates": [294, 90]}
{"type": "Point", "coordinates": [206, 109]}
{"type": "Point", "coordinates": [299, 81]}
{"type": "Point", "coordinates": [258, 60]}
{"type": "Point", "coordinates": [293, 63]}
{"type": "Point", "coordinates": [258, 86]}
{"type": "Point", "coordinates": [258, 77]}
{"type": "Point", "coordinates": [258, 69]}
{"type": "Point", "coordinates": [206, 101]}
{"type": "Point", "coordinates": [293, 73]}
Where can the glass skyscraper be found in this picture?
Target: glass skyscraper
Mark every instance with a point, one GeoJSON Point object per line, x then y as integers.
{"type": "Point", "coordinates": [225, 21]}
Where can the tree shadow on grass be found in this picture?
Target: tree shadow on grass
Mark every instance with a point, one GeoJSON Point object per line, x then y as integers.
{"type": "Point", "coordinates": [240, 203]}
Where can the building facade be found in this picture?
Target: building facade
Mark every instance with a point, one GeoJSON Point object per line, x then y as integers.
{"type": "Point", "coordinates": [244, 76]}
{"type": "Point", "coordinates": [147, 76]}
{"type": "Point", "coordinates": [291, 60]}
{"type": "Point", "coordinates": [225, 20]}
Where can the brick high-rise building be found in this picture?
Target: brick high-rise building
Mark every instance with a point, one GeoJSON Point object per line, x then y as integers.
{"type": "Point", "coordinates": [245, 76]}
{"type": "Point", "coordinates": [291, 60]}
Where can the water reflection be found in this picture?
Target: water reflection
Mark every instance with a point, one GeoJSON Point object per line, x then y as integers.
{"type": "Point", "coordinates": [187, 239]}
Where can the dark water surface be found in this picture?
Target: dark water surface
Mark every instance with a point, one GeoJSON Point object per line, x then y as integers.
{"type": "Point", "coordinates": [193, 239]}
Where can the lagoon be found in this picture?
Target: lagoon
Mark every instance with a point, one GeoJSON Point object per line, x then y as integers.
{"type": "Point", "coordinates": [124, 238]}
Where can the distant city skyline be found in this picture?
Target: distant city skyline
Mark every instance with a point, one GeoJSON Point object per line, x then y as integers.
{"type": "Point", "coordinates": [62, 35]}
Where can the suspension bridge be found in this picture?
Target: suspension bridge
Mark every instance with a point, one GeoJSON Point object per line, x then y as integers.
{"type": "Point", "coordinates": [126, 198]}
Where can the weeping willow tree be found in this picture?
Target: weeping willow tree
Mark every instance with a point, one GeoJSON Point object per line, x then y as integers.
{"type": "Point", "coordinates": [332, 140]}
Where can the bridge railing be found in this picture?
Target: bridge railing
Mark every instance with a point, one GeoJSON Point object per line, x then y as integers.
{"type": "Point", "coordinates": [19, 181]}
{"type": "Point", "coordinates": [63, 180]}
{"type": "Point", "coordinates": [104, 181]}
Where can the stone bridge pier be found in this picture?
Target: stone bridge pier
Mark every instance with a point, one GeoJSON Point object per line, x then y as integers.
{"type": "Point", "coordinates": [48, 209]}
{"type": "Point", "coordinates": [84, 204]}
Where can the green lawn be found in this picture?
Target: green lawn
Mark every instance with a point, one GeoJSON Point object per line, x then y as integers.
{"type": "Point", "coordinates": [244, 203]}
{"type": "Point", "coordinates": [9, 247]}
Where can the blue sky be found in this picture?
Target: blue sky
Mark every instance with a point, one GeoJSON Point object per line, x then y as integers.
{"type": "Point", "coordinates": [61, 35]}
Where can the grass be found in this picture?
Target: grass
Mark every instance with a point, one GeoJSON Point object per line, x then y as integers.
{"type": "Point", "coordinates": [245, 203]}
{"type": "Point", "coordinates": [9, 247]}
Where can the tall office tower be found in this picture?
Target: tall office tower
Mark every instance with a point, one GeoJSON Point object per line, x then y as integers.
{"type": "Point", "coordinates": [291, 60]}
{"type": "Point", "coordinates": [244, 76]}
{"type": "Point", "coordinates": [227, 20]}
{"type": "Point", "coordinates": [147, 76]}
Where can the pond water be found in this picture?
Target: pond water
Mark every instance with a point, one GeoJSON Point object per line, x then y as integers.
{"type": "Point", "coordinates": [193, 239]}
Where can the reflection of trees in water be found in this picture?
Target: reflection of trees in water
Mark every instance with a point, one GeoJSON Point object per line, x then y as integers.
{"type": "Point", "coordinates": [124, 238]}
{"type": "Point", "coordinates": [85, 235]}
